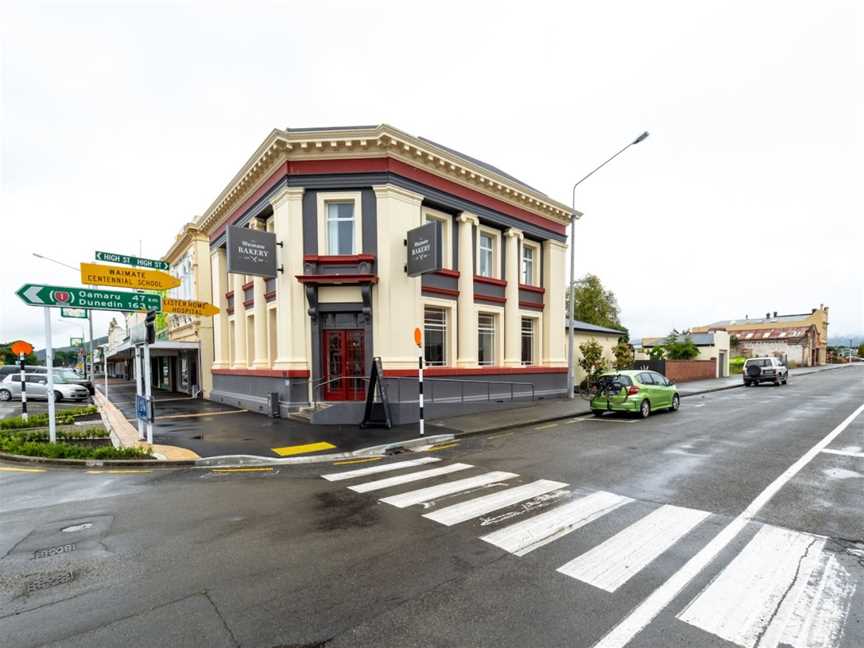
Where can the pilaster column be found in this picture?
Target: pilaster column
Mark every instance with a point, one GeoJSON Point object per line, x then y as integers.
{"type": "Point", "coordinates": [260, 360]}
{"type": "Point", "coordinates": [466, 355]}
{"type": "Point", "coordinates": [239, 323]}
{"type": "Point", "coordinates": [396, 303]}
{"type": "Point", "coordinates": [554, 256]}
{"type": "Point", "coordinates": [512, 319]}
{"type": "Point", "coordinates": [293, 333]}
{"type": "Point", "coordinates": [219, 279]}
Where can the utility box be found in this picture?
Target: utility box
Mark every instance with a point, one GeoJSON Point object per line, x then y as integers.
{"type": "Point", "coordinates": [274, 405]}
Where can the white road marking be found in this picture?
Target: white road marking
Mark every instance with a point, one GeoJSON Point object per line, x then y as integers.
{"type": "Point", "coordinates": [362, 472]}
{"type": "Point", "coordinates": [481, 505]}
{"type": "Point", "coordinates": [528, 535]}
{"type": "Point", "coordinates": [646, 611]}
{"type": "Point", "coordinates": [740, 603]}
{"type": "Point", "coordinates": [432, 492]}
{"type": "Point", "coordinates": [410, 477]}
{"type": "Point", "coordinates": [844, 453]}
{"type": "Point", "coordinates": [611, 564]}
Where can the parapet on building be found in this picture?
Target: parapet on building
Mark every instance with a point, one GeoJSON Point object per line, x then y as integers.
{"type": "Point", "coordinates": [340, 202]}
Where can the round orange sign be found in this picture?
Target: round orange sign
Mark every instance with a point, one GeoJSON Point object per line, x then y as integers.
{"type": "Point", "coordinates": [418, 336]}
{"type": "Point", "coordinates": [20, 347]}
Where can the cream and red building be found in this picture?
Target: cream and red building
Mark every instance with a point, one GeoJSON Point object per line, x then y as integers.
{"type": "Point", "coordinates": [340, 202]}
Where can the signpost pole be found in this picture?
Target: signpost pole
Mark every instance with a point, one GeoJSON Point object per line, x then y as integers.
{"type": "Point", "coordinates": [105, 366]}
{"type": "Point", "coordinates": [49, 363]}
{"type": "Point", "coordinates": [138, 390]}
{"type": "Point", "coordinates": [147, 393]}
{"type": "Point", "coordinates": [91, 374]}
{"type": "Point", "coordinates": [23, 387]}
{"type": "Point", "coordinates": [418, 340]}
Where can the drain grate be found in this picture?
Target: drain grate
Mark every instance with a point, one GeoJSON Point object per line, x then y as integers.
{"type": "Point", "coordinates": [55, 551]}
{"type": "Point", "coordinates": [48, 581]}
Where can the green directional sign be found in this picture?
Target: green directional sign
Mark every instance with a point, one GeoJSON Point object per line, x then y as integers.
{"type": "Point", "coordinates": [138, 262]}
{"type": "Point", "coordinates": [110, 300]}
{"type": "Point", "coordinates": [77, 313]}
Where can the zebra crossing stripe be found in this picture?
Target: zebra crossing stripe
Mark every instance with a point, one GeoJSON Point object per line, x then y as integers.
{"type": "Point", "coordinates": [612, 563]}
{"type": "Point", "coordinates": [528, 535]}
{"type": "Point", "coordinates": [476, 507]}
{"type": "Point", "coordinates": [410, 477]}
{"type": "Point", "coordinates": [371, 470]}
{"type": "Point", "coordinates": [426, 494]}
{"type": "Point", "coordinates": [739, 604]}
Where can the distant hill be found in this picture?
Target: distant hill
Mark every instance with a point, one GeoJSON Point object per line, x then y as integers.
{"type": "Point", "coordinates": [843, 340]}
{"type": "Point", "coordinates": [40, 353]}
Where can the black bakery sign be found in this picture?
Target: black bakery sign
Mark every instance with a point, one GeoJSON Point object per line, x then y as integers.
{"type": "Point", "coordinates": [424, 249]}
{"type": "Point", "coordinates": [251, 252]}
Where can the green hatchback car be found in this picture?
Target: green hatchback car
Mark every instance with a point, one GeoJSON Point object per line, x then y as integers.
{"type": "Point", "coordinates": [634, 391]}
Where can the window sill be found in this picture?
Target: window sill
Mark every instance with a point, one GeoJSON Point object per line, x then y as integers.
{"type": "Point", "coordinates": [490, 280]}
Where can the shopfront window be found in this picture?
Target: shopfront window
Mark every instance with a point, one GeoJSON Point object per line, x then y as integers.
{"type": "Point", "coordinates": [528, 337]}
{"type": "Point", "coordinates": [435, 336]}
{"type": "Point", "coordinates": [485, 339]}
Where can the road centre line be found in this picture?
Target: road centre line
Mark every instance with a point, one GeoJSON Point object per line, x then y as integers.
{"type": "Point", "coordinates": [27, 470]}
{"type": "Point", "coordinates": [844, 453]}
{"type": "Point", "coordinates": [647, 611]}
{"type": "Point", "coordinates": [546, 427]}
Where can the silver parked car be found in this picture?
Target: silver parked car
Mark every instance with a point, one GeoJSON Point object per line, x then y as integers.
{"type": "Point", "coordinates": [37, 388]}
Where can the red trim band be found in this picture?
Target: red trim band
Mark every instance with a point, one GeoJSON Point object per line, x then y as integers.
{"type": "Point", "coordinates": [490, 298]}
{"type": "Point", "coordinates": [490, 280]}
{"type": "Point", "coordinates": [338, 279]}
{"type": "Point", "coordinates": [229, 311]}
{"type": "Point", "coordinates": [229, 294]}
{"type": "Point", "coordinates": [248, 302]}
{"type": "Point", "coordinates": [441, 291]}
{"type": "Point", "coordinates": [270, 296]}
{"type": "Point", "coordinates": [263, 373]}
{"type": "Point", "coordinates": [534, 305]}
{"type": "Point", "coordinates": [344, 259]}
{"type": "Point", "coordinates": [536, 289]}
{"type": "Point", "coordinates": [473, 371]}
{"type": "Point", "coordinates": [444, 272]}
{"type": "Point", "coordinates": [248, 285]}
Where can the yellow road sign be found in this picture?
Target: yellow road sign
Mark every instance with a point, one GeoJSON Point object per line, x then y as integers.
{"type": "Point", "coordinates": [121, 277]}
{"type": "Point", "coordinates": [188, 307]}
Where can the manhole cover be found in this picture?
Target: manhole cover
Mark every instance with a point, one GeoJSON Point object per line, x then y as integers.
{"type": "Point", "coordinates": [77, 527]}
{"type": "Point", "coordinates": [50, 580]}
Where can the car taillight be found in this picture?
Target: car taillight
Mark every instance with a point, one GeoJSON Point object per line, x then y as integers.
{"type": "Point", "coordinates": [632, 390]}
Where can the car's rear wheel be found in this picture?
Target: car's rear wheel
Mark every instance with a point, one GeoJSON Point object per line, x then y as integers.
{"type": "Point", "coordinates": [645, 409]}
{"type": "Point", "coordinates": [747, 383]}
{"type": "Point", "coordinates": [597, 412]}
{"type": "Point", "coordinates": [676, 403]}
{"type": "Point", "coordinates": [5, 395]}
{"type": "Point", "coordinates": [57, 396]}
{"type": "Point", "coordinates": [786, 379]}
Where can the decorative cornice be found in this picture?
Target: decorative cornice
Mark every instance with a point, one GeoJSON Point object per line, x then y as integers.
{"type": "Point", "coordinates": [280, 147]}
{"type": "Point", "coordinates": [184, 239]}
{"type": "Point", "coordinates": [285, 194]}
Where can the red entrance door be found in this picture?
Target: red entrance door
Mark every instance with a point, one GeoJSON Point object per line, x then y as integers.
{"type": "Point", "coordinates": [344, 365]}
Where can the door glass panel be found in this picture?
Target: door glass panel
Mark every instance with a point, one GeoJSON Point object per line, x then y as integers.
{"type": "Point", "coordinates": [334, 361]}
{"type": "Point", "coordinates": [356, 362]}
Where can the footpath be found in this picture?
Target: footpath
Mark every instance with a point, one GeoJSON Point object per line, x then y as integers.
{"type": "Point", "coordinates": [189, 428]}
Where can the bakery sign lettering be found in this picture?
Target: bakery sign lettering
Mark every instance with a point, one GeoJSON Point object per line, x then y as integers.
{"type": "Point", "coordinates": [424, 249]}
{"type": "Point", "coordinates": [251, 252]}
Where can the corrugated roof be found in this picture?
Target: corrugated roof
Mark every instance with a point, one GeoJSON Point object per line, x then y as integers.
{"type": "Point", "coordinates": [579, 325]}
{"type": "Point", "coordinates": [786, 334]}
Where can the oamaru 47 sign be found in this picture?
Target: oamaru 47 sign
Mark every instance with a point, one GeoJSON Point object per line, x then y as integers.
{"type": "Point", "coordinates": [112, 300]}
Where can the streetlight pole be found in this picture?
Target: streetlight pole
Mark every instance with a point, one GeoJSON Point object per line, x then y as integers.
{"type": "Point", "coordinates": [88, 367]}
{"type": "Point", "coordinates": [572, 305]}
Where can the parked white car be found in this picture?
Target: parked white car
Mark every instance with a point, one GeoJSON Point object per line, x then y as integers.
{"type": "Point", "coordinates": [37, 388]}
{"type": "Point", "coordinates": [758, 370]}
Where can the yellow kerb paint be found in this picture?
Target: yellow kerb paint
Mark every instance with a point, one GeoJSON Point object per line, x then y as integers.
{"type": "Point", "coordinates": [318, 446]}
{"type": "Point", "coordinates": [10, 469]}
{"type": "Point", "coordinates": [443, 447]}
{"type": "Point", "coordinates": [355, 461]}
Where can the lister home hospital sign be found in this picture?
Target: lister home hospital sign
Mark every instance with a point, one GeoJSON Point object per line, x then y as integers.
{"type": "Point", "coordinates": [251, 252]}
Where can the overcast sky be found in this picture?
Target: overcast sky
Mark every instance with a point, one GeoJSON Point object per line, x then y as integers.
{"type": "Point", "coordinates": [121, 122]}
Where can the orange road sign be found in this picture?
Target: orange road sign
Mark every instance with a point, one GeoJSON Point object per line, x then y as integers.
{"type": "Point", "coordinates": [96, 274]}
{"type": "Point", "coordinates": [188, 307]}
{"type": "Point", "coordinates": [418, 336]}
{"type": "Point", "coordinates": [21, 347]}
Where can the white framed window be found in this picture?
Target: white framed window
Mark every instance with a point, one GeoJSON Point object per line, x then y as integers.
{"type": "Point", "coordinates": [529, 341]}
{"type": "Point", "coordinates": [530, 264]}
{"type": "Point", "coordinates": [488, 245]}
{"type": "Point", "coordinates": [340, 224]}
{"type": "Point", "coordinates": [433, 216]}
{"type": "Point", "coordinates": [486, 339]}
{"type": "Point", "coordinates": [435, 336]}
{"type": "Point", "coordinates": [184, 270]}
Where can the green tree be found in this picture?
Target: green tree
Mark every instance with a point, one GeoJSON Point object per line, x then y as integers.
{"type": "Point", "coordinates": [861, 350]}
{"type": "Point", "coordinates": [680, 349]}
{"type": "Point", "coordinates": [593, 303]}
{"type": "Point", "coordinates": [592, 361]}
{"type": "Point", "coordinates": [657, 352]}
{"type": "Point", "coordinates": [623, 353]}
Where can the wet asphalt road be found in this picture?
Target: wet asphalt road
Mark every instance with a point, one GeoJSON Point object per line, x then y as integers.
{"type": "Point", "coordinates": [281, 557]}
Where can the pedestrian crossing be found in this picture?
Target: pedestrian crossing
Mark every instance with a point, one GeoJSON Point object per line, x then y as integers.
{"type": "Point", "coordinates": [782, 588]}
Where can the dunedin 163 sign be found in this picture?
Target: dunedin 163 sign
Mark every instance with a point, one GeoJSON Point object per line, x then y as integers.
{"type": "Point", "coordinates": [424, 249]}
{"type": "Point", "coordinates": [65, 296]}
{"type": "Point", "coordinates": [251, 252]}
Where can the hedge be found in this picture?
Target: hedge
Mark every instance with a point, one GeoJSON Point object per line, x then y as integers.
{"type": "Point", "coordinates": [13, 445]}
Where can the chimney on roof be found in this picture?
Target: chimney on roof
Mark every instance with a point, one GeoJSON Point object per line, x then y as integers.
{"type": "Point", "coordinates": [767, 316]}
{"type": "Point", "coordinates": [775, 314]}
